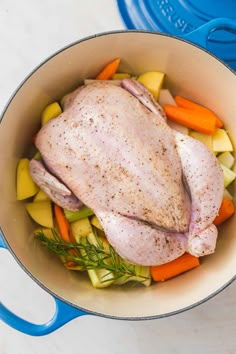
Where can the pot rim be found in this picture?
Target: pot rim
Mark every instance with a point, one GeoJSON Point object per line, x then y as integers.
{"type": "Point", "coordinates": [20, 85]}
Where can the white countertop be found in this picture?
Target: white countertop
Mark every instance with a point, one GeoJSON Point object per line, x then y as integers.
{"type": "Point", "coordinates": [30, 31]}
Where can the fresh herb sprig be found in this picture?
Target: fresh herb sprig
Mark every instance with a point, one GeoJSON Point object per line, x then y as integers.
{"type": "Point", "coordinates": [91, 255]}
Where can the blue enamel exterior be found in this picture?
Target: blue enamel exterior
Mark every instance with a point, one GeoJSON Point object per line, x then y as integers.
{"type": "Point", "coordinates": [63, 314]}
{"type": "Point", "coordinates": [181, 17]}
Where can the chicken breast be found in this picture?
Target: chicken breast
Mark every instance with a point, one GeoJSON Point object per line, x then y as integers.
{"type": "Point", "coordinates": [116, 156]}
{"type": "Point", "coordinates": [119, 157]}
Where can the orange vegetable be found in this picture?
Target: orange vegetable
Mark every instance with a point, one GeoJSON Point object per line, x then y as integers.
{"type": "Point", "coordinates": [71, 264]}
{"type": "Point", "coordinates": [64, 226]}
{"type": "Point", "coordinates": [199, 121]}
{"type": "Point", "coordinates": [109, 70]}
{"type": "Point", "coordinates": [173, 268]}
{"type": "Point", "coordinates": [226, 210]}
{"type": "Point", "coordinates": [184, 103]}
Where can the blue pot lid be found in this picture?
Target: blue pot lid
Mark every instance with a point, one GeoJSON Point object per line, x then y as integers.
{"type": "Point", "coordinates": [179, 17]}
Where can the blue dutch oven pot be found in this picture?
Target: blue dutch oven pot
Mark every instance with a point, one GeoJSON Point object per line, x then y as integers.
{"type": "Point", "coordinates": [83, 59]}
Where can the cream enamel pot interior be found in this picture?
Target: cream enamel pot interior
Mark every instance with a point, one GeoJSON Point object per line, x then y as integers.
{"type": "Point", "coordinates": [190, 71]}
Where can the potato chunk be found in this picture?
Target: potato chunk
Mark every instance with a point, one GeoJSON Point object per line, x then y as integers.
{"type": "Point", "coordinates": [25, 186]}
{"type": "Point", "coordinates": [51, 111]}
{"type": "Point", "coordinates": [153, 81]}
{"type": "Point", "coordinates": [41, 212]}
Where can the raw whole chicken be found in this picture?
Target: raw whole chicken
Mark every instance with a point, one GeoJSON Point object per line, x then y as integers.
{"type": "Point", "coordinates": [155, 191]}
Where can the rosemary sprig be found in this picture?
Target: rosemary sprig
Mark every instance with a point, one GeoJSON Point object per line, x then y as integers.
{"type": "Point", "coordinates": [91, 255]}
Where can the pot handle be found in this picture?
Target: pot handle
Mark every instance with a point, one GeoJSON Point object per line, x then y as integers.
{"type": "Point", "coordinates": [63, 314]}
{"type": "Point", "coordinates": [201, 34]}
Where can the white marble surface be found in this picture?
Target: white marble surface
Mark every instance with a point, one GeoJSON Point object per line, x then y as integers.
{"type": "Point", "coordinates": [30, 31]}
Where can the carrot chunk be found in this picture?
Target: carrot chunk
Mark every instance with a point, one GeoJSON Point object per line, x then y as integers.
{"type": "Point", "coordinates": [109, 70]}
{"type": "Point", "coordinates": [185, 103]}
{"type": "Point", "coordinates": [199, 121]}
{"type": "Point", "coordinates": [71, 264]}
{"type": "Point", "coordinates": [64, 226]}
{"type": "Point", "coordinates": [226, 211]}
{"type": "Point", "coordinates": [175, 267]}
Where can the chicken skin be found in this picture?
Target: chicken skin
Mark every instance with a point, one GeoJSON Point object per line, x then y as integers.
{"type": "Point", "coordinates": [155, 191]}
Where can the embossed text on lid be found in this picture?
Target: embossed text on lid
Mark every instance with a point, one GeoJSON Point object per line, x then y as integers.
{"type": "Point", "coordinates": [179, 17]}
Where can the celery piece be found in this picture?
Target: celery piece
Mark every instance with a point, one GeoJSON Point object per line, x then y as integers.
{"type": "Point", "coordinates": [100, 278]}
{"type": "Point", "coordinates": [79, 214]}
{"type": "Point", "coordinates": [227, 159]}
{"type": "Point", "coordinates": [143, 276]}
{"type": "Point", "coordinates": [97, 277]}
{"type": "Point", "coordinates": [229, 175]}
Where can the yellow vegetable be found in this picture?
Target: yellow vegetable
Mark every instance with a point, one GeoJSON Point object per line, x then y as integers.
{"type": "Point", "coordinates": [41, 212]}
{"type": "Point", "coordinates": [95, 222]}
{"type": "Point", "coordinates": [81, 228]}
{"type": "Point", "coordinates": [206, 139]}
{"type": "Point", "coordinates": [41, 195]}
{"type": "Point", "coordinates": [37, 156]}
{"type": "Point", "coordinates": [153, 81]}
{"type": "Point", "coordinates": [25, 186]}
{"type": "Point", "coordinates": [229, 175]}
{"type": "Point", "coordinates": [221, 141]}
{"type": "Point", "coordinates": [98, 276]}
{"type": "Point", "coordinates": [51, 111]}
{"type": "Point", "coordinates": [120, 76]}
{"type": "Point", "coordinates": [142, 273]}
{"type": "Point", "coordinates": [227, 159]}
{"type": "Point", "coordinates": [47, 232]}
